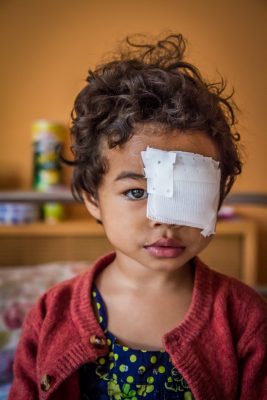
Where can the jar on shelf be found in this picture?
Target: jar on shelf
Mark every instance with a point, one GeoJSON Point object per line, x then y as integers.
{"type": "Point", "coordinates": [48, 139]}
{"type": "Point", "coordinates": [18, 213]}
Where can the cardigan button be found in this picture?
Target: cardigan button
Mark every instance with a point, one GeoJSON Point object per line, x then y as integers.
{"type": "Point", "coordinates": [46, 382]}
{"type": "Point", "coordinates": [97, 341]}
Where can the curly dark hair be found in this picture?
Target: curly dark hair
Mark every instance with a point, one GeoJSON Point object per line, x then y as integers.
{"type": "Point", "coordinates": [149, 83]}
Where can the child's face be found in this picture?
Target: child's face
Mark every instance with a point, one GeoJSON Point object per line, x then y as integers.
{"type": "Point", "coordinates": [122, 203]}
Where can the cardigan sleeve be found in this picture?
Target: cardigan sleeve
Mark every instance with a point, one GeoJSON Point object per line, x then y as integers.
{"type": "Point", "coordinates": [25, 384]}
{"type": "Point", "coordinates": [253, 366]}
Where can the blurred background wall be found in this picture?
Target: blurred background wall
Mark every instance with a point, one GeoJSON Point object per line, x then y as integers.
{"type": "Point", "coordinates": [48, 46]}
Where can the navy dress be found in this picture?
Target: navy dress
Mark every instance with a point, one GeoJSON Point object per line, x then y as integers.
{"type": "Point", "coordinates": [126, 373]}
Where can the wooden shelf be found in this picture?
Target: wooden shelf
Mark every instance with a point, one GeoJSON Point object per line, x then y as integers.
{"type": "Point", "coordinates": [63, 228]}
{"type": "Point", "coordinates": [91, 227]}
{"type": "Point", "coordinates": [240, 238]}
{"type": "Point", "coordinates": [233, 250]}
{"type": "Point", "coordinates": [64, 195]}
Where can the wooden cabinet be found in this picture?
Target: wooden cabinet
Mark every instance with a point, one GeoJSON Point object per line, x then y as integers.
{"type": "Point", "coordinates": [233, 250]}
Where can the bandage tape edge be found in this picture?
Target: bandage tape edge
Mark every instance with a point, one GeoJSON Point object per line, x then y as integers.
{"type": "Point", "coordinates": [179, 222]}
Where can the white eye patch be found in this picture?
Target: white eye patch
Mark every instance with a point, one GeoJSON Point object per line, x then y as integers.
{"type": "Point", "coordinates": [183, 188]}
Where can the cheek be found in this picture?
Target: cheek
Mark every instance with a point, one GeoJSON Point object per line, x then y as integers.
{"type": "Point", "coordinates": [131, 210]}
{"type": "Point", "coordinates": [124, 214]}
{"type": "Point", "coordinates": [197, 239]}
{"type": "Point", "coordinates": [203, 242]}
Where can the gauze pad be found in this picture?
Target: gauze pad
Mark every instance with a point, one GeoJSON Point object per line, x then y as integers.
{"type": "Point", "coordinates": [183, 188]}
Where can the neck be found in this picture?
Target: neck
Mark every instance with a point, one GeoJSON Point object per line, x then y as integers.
{"type": "Point", "coordinates": [131, 275]}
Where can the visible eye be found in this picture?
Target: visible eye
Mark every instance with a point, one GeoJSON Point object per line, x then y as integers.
{"type": "Point", "coordinates": [136, 194]}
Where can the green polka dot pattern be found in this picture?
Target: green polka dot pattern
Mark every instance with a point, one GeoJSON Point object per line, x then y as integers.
{"type": "Point", "coordinates": [128, 373]}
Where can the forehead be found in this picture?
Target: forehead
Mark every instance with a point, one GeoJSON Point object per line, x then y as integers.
{"type": "Point", "coordinates": [129, 155]}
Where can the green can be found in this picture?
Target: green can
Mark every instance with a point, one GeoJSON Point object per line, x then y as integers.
{"type": "Point", "coordinates": [48, 139]}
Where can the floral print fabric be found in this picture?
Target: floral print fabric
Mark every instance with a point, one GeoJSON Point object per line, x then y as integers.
{"type": "Point", "coordinates": [20, 287]}
{"type": "Point", "coordinates": [127, 373]}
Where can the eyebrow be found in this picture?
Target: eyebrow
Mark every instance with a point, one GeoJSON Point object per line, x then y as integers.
{"type": "Point", "coordinates": [129, 175]}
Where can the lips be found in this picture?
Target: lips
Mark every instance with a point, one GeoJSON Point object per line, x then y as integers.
{"type": "Point", "coordinates": [165, 248]}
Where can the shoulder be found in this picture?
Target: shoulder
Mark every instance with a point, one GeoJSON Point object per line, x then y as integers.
{"type": "Point", "coordinates": [63, 299]}
{"type": "Point", "coordinates": [55, 301]}
{"type": "Point", "coordinates": [244, 309]}
{"type": "Point", "coordinates": [234, 290]}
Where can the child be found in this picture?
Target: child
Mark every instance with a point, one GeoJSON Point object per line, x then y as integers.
{"type": "Point", "coordinates": [154, 156]}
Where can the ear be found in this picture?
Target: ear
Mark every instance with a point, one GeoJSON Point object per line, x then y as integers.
{"type": "Point", "coordinates": [92, 205]}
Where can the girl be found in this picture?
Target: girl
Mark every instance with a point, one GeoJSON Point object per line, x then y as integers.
{"type": "Point", "coordinates": [155, 154]}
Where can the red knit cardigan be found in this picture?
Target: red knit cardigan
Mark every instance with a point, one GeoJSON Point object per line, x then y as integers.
{"type": "Point", "coordinates": [220, 348]}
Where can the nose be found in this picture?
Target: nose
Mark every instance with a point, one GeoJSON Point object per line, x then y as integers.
{"type": "Point", "coordinates": [154, 223]}
{"type": "Point", "coordinates": [174, 226]}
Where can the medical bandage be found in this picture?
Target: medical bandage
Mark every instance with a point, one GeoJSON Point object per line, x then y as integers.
{"type": "Point", "coordinates": [183, 188]}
